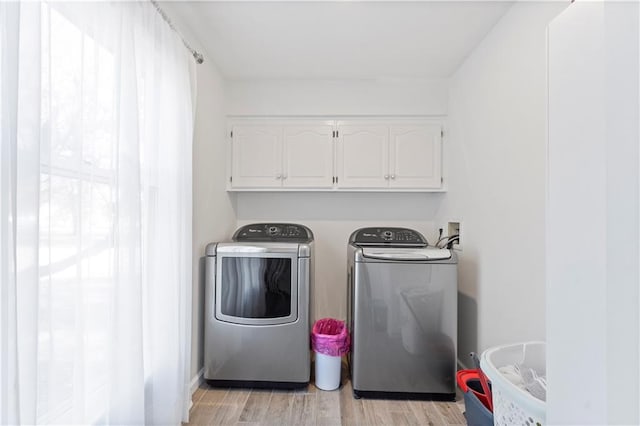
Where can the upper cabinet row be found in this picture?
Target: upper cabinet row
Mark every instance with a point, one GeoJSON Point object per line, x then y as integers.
{"type": "Point", "coordinates": [335, 155]}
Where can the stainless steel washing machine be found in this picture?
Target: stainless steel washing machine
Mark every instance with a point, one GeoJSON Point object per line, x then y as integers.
{"type": "Point", "coordinates": [257, 291]}
{"type": "Point", "coordinates": [402, 315]}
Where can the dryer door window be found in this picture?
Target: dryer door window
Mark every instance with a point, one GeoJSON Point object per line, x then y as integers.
{"type": "Point", "coordinates": [257, 290]}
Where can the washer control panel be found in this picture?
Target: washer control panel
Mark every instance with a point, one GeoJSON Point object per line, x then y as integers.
{"type": "Point", "coordinates": [388, 237]}
{"type": "Point", "coordinates": [288, 232]}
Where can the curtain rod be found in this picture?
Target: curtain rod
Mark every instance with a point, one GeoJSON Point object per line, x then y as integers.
{"type": "Point", "coordinates": [196, 55]}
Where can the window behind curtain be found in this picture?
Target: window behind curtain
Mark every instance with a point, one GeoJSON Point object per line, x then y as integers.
{"type": "Point", "coordinates": [78, 135]}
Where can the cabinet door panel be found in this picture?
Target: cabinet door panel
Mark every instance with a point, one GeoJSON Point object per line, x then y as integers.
{"type": "Point", "coordinates": [363, 156]}
{"type": "Point", "coordinates": [415, 156]}
{"type": "Point", "coordinates": [256, 157]}
{"type": "Point", "coordinates": [308, 157]}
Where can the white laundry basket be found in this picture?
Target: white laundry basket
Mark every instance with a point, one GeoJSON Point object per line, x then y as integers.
{"type": "Point", "coordinates": [511, 404]}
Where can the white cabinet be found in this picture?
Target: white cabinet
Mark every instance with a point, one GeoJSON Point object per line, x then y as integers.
{"type": "Point", "coordinates": [363, 156]}
{"type": "Point", "coordinates": [403, 156]}
{"type": "Point", "coordinates": [274, 155]}
{"type": "Point", "coordinates": [415, 156]}
{"type": "Point", "coordinates": [256, 157]}
{"type": "Point", "coordinates": [308, 157]}
{"type": "Point", "coordinates": [334, 155]}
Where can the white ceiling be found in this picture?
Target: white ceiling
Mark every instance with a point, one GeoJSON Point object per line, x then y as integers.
{"type": "Point", "coordinates": [338, 40]}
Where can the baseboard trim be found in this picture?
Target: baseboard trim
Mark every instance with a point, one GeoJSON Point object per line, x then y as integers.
{"type": "Point", "coordinates": [197, 381]}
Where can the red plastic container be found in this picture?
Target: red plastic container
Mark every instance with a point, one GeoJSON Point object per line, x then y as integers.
{"type": "Point", "coordinates": [476, 398]}
{"type": "Point", "coordinates": [463, 376]}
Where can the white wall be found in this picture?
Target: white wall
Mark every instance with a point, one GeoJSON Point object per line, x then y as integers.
{"type": "Point", "coordinates": [593, 255]}
{"type": "Point", "coordinates": [213, 214]}
{"type": "Point", "coordinates": [334, 216]}
{"type": "Point", "coordinates": [337, 97]}
{"type": "Point", "coordinates": [497, 142]}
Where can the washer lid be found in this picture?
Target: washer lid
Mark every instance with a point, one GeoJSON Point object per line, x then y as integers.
{"type": "Point", "coordinates": [417, 254]}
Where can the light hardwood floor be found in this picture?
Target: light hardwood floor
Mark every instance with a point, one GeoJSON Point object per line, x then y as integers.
{"type": "Point", "coordinates": [312, 406]}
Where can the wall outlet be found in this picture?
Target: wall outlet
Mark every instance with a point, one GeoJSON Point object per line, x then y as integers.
{"type": "Point", "coordinates": [455, 228]}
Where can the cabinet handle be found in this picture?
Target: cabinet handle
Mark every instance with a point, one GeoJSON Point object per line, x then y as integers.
{"type": "Point", "coordinates": [386, 177]}
{"type": "Point", "coordinates": [278, 176]}
{"type": "Point", "coordinates": [284, 176]}
{"type": "Point", "coordinates": [393, 176]}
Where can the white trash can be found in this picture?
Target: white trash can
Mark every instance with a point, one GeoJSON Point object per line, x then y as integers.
{"type": "Point", "coordinates": [329, 340]}
{"type": "Point", "coordinates": [328, 370]}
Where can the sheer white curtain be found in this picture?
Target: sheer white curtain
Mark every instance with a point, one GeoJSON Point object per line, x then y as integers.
{"type": "Point", "coordinates": [95, 215]}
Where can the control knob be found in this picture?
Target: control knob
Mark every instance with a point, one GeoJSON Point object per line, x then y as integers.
{"type": "Point", "coordinates": [273, 230]}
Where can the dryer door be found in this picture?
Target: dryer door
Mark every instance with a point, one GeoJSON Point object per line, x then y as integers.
{"type": "Point", "coordinates": [257, 285]}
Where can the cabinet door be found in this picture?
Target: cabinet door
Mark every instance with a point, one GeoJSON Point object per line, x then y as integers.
{"type": "Point", "coordinates": [363, 156]}
{"type": "Point", "coordinates": [415, 156]}
{"type": "Point", "coordinates": [308, 157]}
{"type": "Point", "coordinates": [256, 157]}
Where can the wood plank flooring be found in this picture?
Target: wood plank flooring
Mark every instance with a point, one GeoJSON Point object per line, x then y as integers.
{"type": "Point", "coordinates": [312, 406]}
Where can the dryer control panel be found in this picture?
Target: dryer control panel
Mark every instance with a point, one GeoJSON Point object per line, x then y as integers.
{"type": "Point", "coordinates": [402, 237]}
{"type": "Point", "coordinates": [285, 232]}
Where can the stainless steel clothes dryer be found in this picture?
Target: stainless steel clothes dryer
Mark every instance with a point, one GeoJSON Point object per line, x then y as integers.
{"type": "Point", "coordinates": [402, 315]}
{"type": "Point", "coordinates": [257, 307]}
